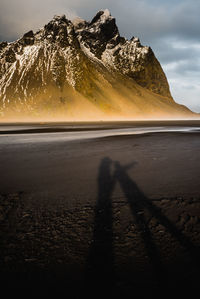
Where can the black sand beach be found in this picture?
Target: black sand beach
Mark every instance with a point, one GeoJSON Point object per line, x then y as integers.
{"type": "Point", "coordinates": [111, 217]}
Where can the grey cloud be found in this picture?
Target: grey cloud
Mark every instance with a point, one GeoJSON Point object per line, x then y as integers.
{"type": "Point", "coordinates": [148, 20]}
{"type": "Point", "coordinates": [188, 67]}
{"type": "Point", "coordinates": [166, 52]}
{"type": "Point", "coordinates": [19, 16]}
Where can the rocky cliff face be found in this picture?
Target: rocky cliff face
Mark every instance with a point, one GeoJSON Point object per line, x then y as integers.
{"type": "Point", "coordinates": [101, 37]}
{"type": "Point", "coordinates": [80, 67]}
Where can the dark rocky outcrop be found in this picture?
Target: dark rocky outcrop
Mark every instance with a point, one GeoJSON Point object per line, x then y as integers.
{"type": "Point", "coordinates": [3, 45]}
{"type": "Point", "coordinates": [29, 38]}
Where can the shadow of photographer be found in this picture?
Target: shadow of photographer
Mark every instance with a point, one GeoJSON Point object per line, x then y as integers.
{"type": "Point", "coordinates": [100, 272]}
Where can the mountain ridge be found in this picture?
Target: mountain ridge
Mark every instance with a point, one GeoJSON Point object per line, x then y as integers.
{"type": "Point", "coordinates": [83, 70]}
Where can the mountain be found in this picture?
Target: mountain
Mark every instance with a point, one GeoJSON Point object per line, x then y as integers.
{"type": "Point", "coordinates": [83, 71]}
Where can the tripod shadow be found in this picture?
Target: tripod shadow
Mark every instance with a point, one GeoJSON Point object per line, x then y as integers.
{"type": "Point", "coordinates": [100, 263]}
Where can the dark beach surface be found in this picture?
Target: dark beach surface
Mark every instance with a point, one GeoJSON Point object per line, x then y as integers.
{"type": "Point", "coordinates": [106, 210]}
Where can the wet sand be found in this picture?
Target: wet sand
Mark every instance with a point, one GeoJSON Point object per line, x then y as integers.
{"type": "Point", "coordinates": [112, 217]}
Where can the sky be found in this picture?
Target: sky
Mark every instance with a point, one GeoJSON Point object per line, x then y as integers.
{"type": "Point", "coordinates": [170, 27]}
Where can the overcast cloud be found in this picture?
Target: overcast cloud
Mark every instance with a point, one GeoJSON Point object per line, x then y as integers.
{"type": "Point", "coordinates": [170, 27]}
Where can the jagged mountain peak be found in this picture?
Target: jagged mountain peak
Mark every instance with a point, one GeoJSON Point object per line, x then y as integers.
{"type": "Point", "coordinates": [103, 23]}
{"type": "Point", "coordinates": [87, 59]}
{"type": "Point", "coordinates": [60, 18]}
{"type": "Point", "coordinates": [102, 16]}
{"type": "Point", "coordinates": [95, 35]}
{"type": "Point", "coordinates": [58, 21]}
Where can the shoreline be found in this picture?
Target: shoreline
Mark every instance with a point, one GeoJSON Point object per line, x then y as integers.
{"type": "Point", "coordinates": [95, 130]}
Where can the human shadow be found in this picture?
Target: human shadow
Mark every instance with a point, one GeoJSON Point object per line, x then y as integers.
{"type": "Point", "coordinates": [100, 263]}
{"type": "Point", "coordinates": [100, 272]}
